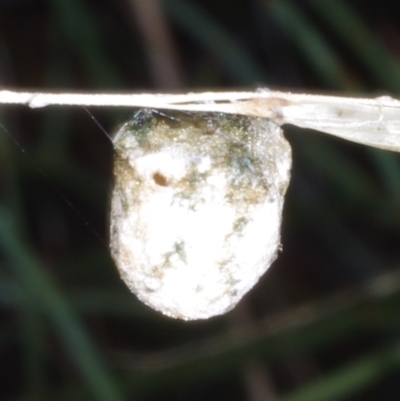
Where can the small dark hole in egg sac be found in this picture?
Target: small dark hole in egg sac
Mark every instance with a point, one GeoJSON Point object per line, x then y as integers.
{"type": "Point", "coordinates": [209, 129]}
{"type": "Point", "coordinates": [160, 179]}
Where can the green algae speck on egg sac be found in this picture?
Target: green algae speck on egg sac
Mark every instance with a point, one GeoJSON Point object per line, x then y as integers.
{"type": "Point", "coordinates": [196, 208]}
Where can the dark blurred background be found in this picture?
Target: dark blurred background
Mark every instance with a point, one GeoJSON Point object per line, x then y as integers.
{"type": "Point", "coordinates": [322, 324]}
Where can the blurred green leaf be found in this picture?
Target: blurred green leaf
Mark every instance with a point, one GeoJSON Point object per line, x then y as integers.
{"type": "Point", "coordinates": [233, 57]}
{"type": "Point", "coordinates": [40, 286]}
{"type": "Point", "coordinates": [354, 34]}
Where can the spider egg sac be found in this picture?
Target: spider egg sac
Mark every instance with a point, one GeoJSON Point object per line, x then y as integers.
{"type": "Point", "coordinates": [197, 208]}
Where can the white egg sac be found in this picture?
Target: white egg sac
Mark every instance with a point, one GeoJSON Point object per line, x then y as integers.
{"type": "Point", "coordinates": [197, 208]}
